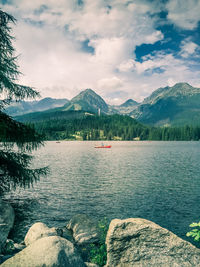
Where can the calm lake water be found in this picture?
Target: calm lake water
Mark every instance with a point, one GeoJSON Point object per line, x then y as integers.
{"type": "Point", "coordinates": [159, 181]}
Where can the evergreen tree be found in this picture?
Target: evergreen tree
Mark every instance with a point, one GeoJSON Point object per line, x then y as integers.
{"type": "Point", "coordinates": [16, 139]}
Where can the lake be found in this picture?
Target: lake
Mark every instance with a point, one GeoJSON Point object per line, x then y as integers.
{"type": "Point", "coordinates": [158, 181]}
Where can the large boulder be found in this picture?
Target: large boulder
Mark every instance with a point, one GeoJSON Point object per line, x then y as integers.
{"type": "Point", "coordinates": [84, 229]}
{"type": "Point", "coordinates": [52, 251]}
{"type": "Point", "coordinates": [6, 222]}
{"type": "Point", "coordinates": [139, 242]}
{"type": "Point", "coordinates": [39, 230]}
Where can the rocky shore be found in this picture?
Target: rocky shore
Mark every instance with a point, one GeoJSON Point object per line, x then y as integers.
{"type": "Point", "coordinates": [129, 242]}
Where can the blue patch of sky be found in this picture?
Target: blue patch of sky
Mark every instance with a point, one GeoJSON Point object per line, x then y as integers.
{"type": "Point", "coordinates": [86, 47]}
{"type": "Point", "coordinates": [196, 35]}
{"type": "Point", "coordinates": [80, 2]}
{"type": "Point", "coordinates": [150, 49]}
{"type": "Point", "coordinates": [6, 2]}
{"type": "Point", "coordinates": [163, 14]}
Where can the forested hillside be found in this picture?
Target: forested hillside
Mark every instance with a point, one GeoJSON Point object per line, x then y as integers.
{"type": "Point", "coordinates": [114, 127]}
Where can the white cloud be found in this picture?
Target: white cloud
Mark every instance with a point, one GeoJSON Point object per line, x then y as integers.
{"type": "Point", "coordinates": [126, 65]}
{"type": "Point", "coordinates": [111, 51]}
{"type": "Point", "coordinates": [49, 38]}
{"type": "Point", "coordinates": [52, 57]}
{"type": "Point", "coordinates": [154, 37]}
{"type": "Point", "coordinates": [111, 83]}
{"type": "Point", "coordinates": [188, 48]}
{"type": "Point", "coordinates": [184, 13]}
{"type": "Point", "coordinates": [164, 63]}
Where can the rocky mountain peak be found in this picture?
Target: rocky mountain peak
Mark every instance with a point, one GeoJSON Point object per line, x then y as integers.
{"type": "Point", "coordinates": [129, 102]}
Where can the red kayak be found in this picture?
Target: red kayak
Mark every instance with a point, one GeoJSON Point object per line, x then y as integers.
{"type": "Point", "coordinates": [102, 146]}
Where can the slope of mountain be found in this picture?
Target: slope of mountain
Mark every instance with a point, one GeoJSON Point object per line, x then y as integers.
{"type": "Point", "coordinates": [23, 107]}
{"type": "Point", "coordinates": [129, 103]}
{"type": "Point", "coordinates": [55, 115]}
{"type": "Point", "coordinates": [87, 100]}
{"type": "Point", "coordinates": [176, 105]}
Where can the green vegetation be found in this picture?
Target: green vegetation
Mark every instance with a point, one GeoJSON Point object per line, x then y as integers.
{"type": "Point", "coordinates": [16, 140]}
{"type": "Point", "coordinates": [78, 125]}
{"type": "Point", "coordinates": [195, 233]}
{"type": "Point", "coordinates": [92, 127]}
{"type": "Point", "coordinates": [98, 253]}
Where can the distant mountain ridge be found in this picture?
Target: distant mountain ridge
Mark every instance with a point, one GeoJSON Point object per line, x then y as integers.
{"type": "Point", "coordinates": [129, 103]}
{"type": "Point", "coordinates": [177, 105]}
{"type": "Point", "coordinates": [178, 90]}
{"type": "Point", "coordinates": [23, 107]}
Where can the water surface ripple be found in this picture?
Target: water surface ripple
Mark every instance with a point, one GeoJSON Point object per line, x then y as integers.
{"type": "Point", "coordinates": [159, 181]}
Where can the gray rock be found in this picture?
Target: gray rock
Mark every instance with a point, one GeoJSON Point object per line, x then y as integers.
{"type": "Point", "coordinates": [85, 230]}
{"type": "Point", "coordinates": [39, 230]}
{"type": "Point", "coordinates": [142, 243]}
{"type": "Point", "coordinates": [66, 233]}
{"type": "Point", "coordinates": [52, 251]}
{"type": "Point", "coordinates": [6, 222]}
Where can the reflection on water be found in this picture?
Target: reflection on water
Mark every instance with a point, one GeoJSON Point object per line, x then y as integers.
{"type": "Point", "coordinates": [158, 181]}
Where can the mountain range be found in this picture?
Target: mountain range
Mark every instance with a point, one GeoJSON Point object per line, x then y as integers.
{"type": "Point", "coordinates": [167, 106]}
{"type": "Point", "coordinates": [23, 107]}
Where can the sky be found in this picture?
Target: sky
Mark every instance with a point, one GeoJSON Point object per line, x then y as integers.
{"type": "Point", "coordinates": [119, 48]}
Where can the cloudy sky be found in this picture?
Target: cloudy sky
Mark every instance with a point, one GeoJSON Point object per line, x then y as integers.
{"type": "Point", "coordinates": [120, 48]}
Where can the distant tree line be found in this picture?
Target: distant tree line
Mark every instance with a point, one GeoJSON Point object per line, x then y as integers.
{"type": "Point", "coordinates": [113, 127]}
